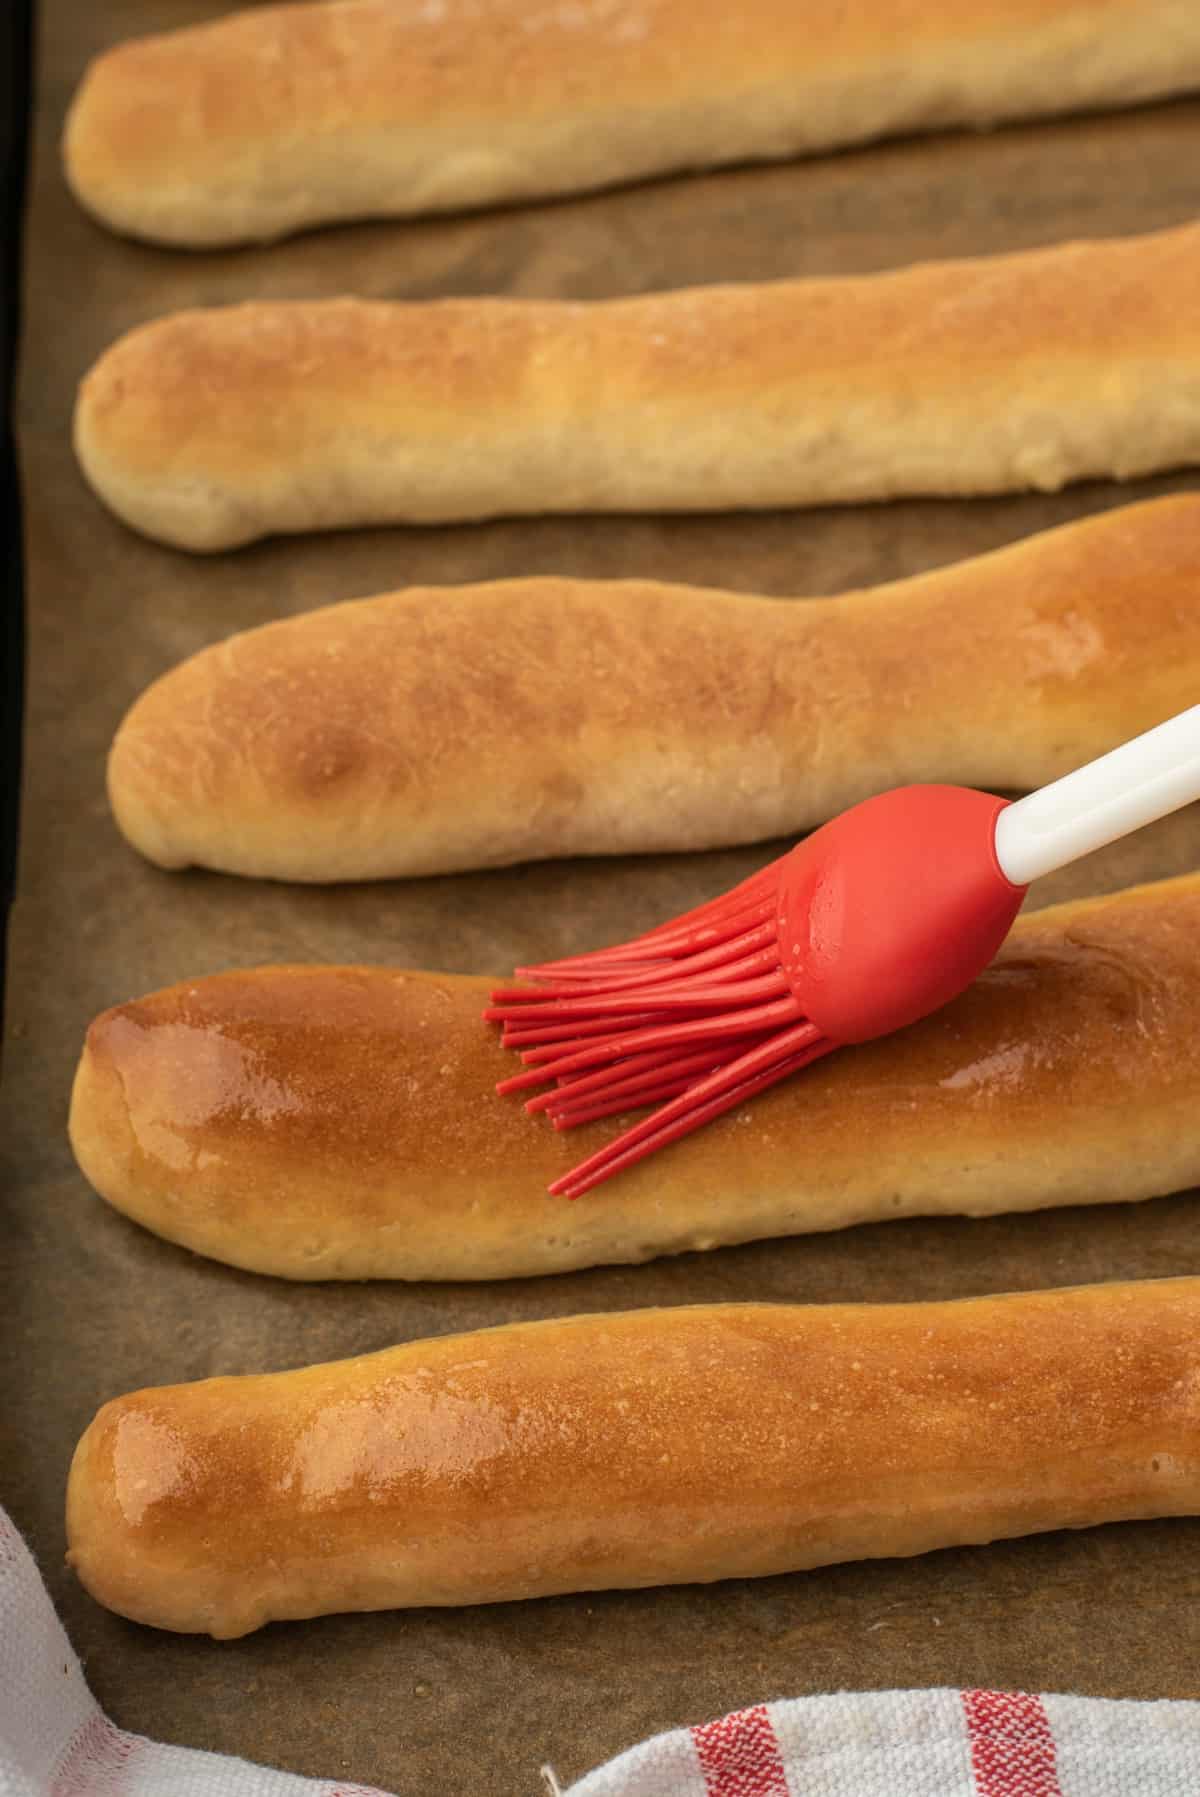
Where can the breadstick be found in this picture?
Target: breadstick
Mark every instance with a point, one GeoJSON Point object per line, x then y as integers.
{"type": "Point", "coordinates": [288, 116]}
{"type": "Point", "coordinates": [341, 1122]}
{"type": "Point", "coordinates": [208, 429]}
{"type": "Point", "coordinates": [618, 717]}
{"type": "Point", "coordinates": [648, 1447]}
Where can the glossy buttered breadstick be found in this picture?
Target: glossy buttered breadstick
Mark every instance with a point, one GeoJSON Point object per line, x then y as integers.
{"type": "Point", "coordinates": [642, 1448]}
{"type": "Point", "coordinates": [208, 429]}
{"type": "Point", "coordinates": [341, 1122]}
{"type": "Point", "coordinates": [288, 116]}
{"type": "Point", "coordinates": [617, 717]}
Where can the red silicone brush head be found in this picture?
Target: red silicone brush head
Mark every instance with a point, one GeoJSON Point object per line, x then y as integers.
{"type": "Point", "coordinates": [875, 920]}
{"type": "Point", "coordinates": [889, 911]}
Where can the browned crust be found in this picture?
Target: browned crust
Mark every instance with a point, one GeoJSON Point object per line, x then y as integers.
{"type": "Point", "coordinates": [284, 116]}
{"type": "Point", "coordinates": [211, 428]}
{"type": "Point", "coordinates": [646, 1447]}
{"type": "Point", "coordinates": [619, 717]}
{"type": "Point", "coordinates": [341, 1122]}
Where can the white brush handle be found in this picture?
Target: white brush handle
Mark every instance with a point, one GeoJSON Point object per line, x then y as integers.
{"type": "Point", "coordinates": [1142, 780]}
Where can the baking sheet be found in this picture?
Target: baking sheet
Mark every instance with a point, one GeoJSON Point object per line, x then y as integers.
{"type": "Point", "coordinates": [471, 1702]}
{"type": "Point", "coordinates": [15, 72]}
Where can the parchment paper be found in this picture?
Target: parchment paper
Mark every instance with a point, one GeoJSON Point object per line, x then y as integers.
{"type": "Point", "coordinates": [470, 1702]}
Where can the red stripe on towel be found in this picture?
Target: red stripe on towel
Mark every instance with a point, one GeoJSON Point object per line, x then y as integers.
{"type": "Point", "coordinates": [740, 1756]}
{"type": "Point", "coordinates": [96, 1759]}
{"type": "Point", "coordinates": [1012, 1746]}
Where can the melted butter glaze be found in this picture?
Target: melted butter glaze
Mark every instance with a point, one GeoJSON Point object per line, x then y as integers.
{"type": "Point", "coordinates": [1064, 1016]}
{"type": "Point", "coordinates": [220, 1081]}
{"type": "Point", "coordinates": [322, 1058]}
{"type": "Point", "coordinates": [152, 1462]}
{"type": "Point", "coordinates": [388, 1438]}
{"type": "Point", "coordinates": [367, 1066]}
{"type": "Point", "coordinates": [342, 1122]}
{"type": "Point", "coordinates": [636, 1448]}
{"type": "Point", "coordinates": [1002, 1070]}
{"type": "Point", "coordinates": [402, 1430]}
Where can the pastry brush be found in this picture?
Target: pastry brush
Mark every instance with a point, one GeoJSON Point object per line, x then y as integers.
{"type": "Point", "coordinates": [875, 920]}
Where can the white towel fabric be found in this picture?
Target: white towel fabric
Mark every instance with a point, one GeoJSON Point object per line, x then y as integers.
{"type": "Point", "coordinates": [919, 1744]}
{"type": "Point", "coordinates": [55, 1741]}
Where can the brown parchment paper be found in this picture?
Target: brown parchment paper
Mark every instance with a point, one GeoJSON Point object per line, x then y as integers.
{"type": "Point", "coordinates": [471, 1702]}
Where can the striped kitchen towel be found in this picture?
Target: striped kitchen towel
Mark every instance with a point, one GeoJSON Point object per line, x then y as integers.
{"type": "Point", "coordinates": [55, 1741]}
{"type": "Point", "coordinates": [917, 1744]}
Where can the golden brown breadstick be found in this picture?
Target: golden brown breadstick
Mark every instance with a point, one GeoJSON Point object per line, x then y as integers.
{"type": "Point", "coordinates": [341, 1123]}
{"type": "Point", "coordinates": [631, 716]}
{"type": "Point", "coordinates": [642, 1448]}
{"type": "Point", "coordinates": [211, 428]}
{"type": "Point", "coordinates": [288, 116]}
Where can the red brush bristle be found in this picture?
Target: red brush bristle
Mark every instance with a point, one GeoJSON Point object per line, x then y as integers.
{"type": "Point", "coordinates": [876, 920]}
{"type": "Point", "coordinates": [696, 1013]}
{"type": "Point", "coordinates": [699, 1104]}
